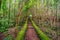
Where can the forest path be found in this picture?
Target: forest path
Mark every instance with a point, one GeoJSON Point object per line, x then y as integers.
{"type": "Point", "coordinates": [31, 33]}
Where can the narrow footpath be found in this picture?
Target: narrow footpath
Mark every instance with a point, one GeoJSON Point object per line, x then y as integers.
{"type": "Point", "coordinates": [31, 33]}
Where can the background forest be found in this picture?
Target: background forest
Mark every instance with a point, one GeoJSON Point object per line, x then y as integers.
{"type": "Point", "coordinates": [45, 13]}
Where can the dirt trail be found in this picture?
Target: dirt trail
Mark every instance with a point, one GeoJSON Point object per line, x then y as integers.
{"type": "Point", "coordinates": [31, 34]}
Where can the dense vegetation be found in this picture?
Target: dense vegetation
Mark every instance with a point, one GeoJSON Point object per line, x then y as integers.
{"type": "Point", "coordinates": [45, 13]}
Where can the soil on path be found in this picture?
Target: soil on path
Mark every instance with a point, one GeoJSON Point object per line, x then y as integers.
{"type": "Point", "coordinates": [11, 31]}
{"type": "Point", "coordinates": [31, 34]}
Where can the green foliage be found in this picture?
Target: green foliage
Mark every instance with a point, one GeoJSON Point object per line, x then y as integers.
{"type": "Point", "coordinates": [29, 4]}
{"type": "Point", "coordinates": [4, 6]}
{"type": "Point", "coordinates": [8, 12]}
{"type": "Point", "coordinates": [8, 37]}
{"type": "Point", "coordinates": [3, 25]}
{"type": "Point", "coordinates": [40, 33]}
{"type": "Point", "coordinates": [21, 34]}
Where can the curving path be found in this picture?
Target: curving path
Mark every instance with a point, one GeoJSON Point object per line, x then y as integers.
{"type": "Point", "coordinates": [31, 34]}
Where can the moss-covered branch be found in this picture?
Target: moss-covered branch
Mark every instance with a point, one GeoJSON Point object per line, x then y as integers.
{"type": "Point", "coordinates": [21, 34]}
{"type": "Point", "coordinates": [41, 35]}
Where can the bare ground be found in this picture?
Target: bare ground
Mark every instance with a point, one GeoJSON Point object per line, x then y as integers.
{"type": "Point", "coordinates": [31, 34]}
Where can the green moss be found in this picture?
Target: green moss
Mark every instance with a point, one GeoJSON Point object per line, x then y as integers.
{"type": "Point", "coordinates": [21, 34]}
{"type": "Point", "coordinates": [41, 35]}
